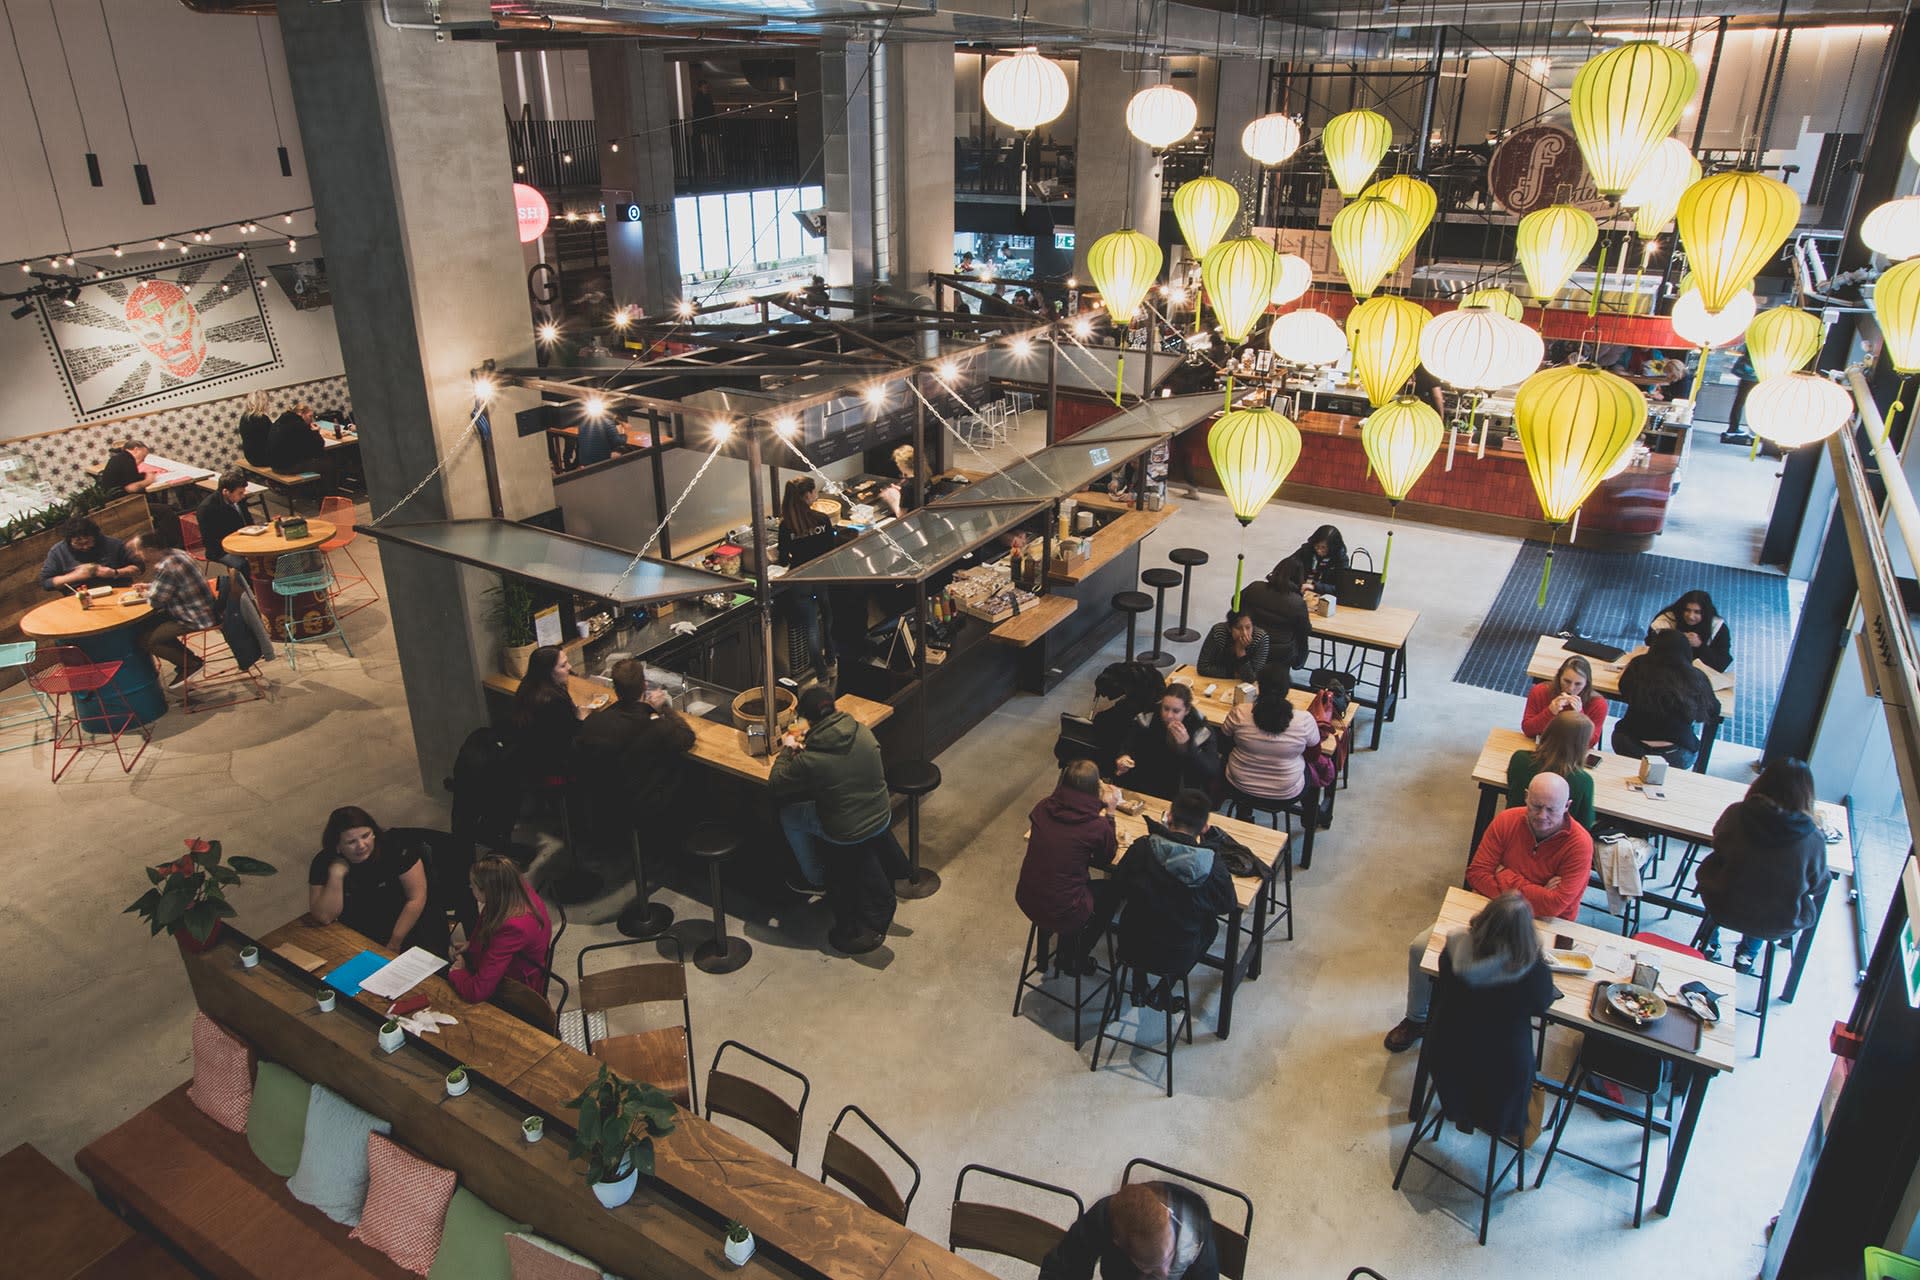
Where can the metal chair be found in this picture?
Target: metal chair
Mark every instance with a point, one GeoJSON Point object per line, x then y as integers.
{"type": "Point", "coordinates": [1110, 1010]}
{"type": "Point", "coordinates": [1003, 1231]}
{"type": "Point", "coordinates": [1034, 963]}
{"type": "Point", "coordinates": [97, 709]}
{"type": "Point", "coordinates": [1427, 1127]}
{"type": "Point", "coordinates": [339, 512]}
{"type": "Point", "coordinates": [219, 666]}
{"type": "Point", "coordinates": [1229, 1243]}
{"type": "Point", "coordinates": [751, 1102]}
{"type": "Point", "coordinates": [300, 573]}
{"type": "Point", "coordinates": [1604, 1059]}
{"type": "Point", "coordinates": [526, 1004]}
{"type": "Point", "coordinates": [663, 1057]}
{"type": "Point", "coordinates": [19, 656]}
{"type": "Point", "coordinates": [191, 540]}
{"type": "Point", "coordinates": [1764, 972]}
{"type": "Point", "coordinates": [853, 1168]}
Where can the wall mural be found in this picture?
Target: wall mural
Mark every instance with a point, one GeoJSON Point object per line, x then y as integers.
{"type": "Point", "coordinates": [142, 335]}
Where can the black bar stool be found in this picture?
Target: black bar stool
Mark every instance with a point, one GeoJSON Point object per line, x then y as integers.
{"type": "Point", "coordinates": [1186, 558]}
{"type": "Point", "coordinates": [1133, 604]}
{"type": "Point", "coordinates": [642, 918]}
{"type": "Point", "coordinates": [1159, 580]}
{"type": "Point", "coordinates": [721, 953]}
{"type": "Point", "coordinates": [913, 779]}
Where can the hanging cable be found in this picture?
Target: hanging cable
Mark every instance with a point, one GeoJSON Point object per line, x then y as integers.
{"type": "Point", "coordinates": [93, 158]}
{"type": "Point", "coordinates": [266, 77]}
{"type": "Point", "coordinates": [141, 178]}
{"type": "Point", "coordinates": [47, 159]}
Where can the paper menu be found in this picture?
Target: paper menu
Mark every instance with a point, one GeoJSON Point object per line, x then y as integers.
{"type": "Point", "coordinates": [394, 979]}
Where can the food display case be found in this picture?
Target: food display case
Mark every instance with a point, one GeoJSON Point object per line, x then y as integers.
{"type": "Point", "coordinates": [22, 491]}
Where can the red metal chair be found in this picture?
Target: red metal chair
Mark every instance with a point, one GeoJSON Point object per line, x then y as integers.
{"type": "Point", "coordinates": [63, 674]}
{"type": "Point", "coordinates": [340, 512]}
{"type": "Point", "coordinates": [190, 540]}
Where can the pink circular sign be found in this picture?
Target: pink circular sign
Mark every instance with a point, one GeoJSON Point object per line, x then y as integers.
{"type": "Point", "coordinates": [530, 207]}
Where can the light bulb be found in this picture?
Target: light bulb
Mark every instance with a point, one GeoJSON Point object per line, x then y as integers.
{"type": "Point", "coordinates": [722, 429]}
{"type": "Point", "coordinates": [549, 333]}
{"type": "Point", "coordinates": [293, 246]}
{"type": "Point", "coordinates": [615, 146]}
{"type": "Point", "coordinates": [875, 396]}
{"type": "Point", "coordinates": [1083, 328]}
{"type": "Point", "coordinates": [594, 407]}
{"type": "Point", "coordinates": [116, 251]}
{"type": "Point", "coordinates": [483, 389]}
{"type": "Point", "coordinates": [622, 318]}
{"type": "Point", "coordinates": [1022, 347]}
{"type": "Point", "coordinates": [683, 309]}
{"type": "Point", "coordinates": [784, 427]}
{"type": "Point", "coordinates": [947, 370]}
{"type": "Point", "coordinates": [287, 218]}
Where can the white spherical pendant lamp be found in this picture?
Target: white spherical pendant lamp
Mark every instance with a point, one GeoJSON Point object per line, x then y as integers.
{"type": "Point", "coordinates": [1025, 91]}
{"type": "Point", "coordinates": [1271, 140]}
{"type": "Point", "coordinates": [1307, 338]}
{"type": "Point", "coordinates": [1161, 115]}
{"type": "Point", "coordinates": [1795, 409]}
{"type": "Point", "coordinates": [1293, 276]}
{"type": "Point", "coordinates": [1893, 229]}
{"type": "Point", "coordinates": [1478, 349]}
{"type": "Point", "coordinates": [1703, 328]}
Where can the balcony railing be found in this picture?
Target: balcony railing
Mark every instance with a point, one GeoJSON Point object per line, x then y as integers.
{"type": "Point", "coordinates": [554, 153]}
{"type": "Point", "coordinates": [745, 151]}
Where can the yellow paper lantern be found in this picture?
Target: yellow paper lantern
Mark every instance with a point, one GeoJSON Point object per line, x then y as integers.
{"type": "Point", "coordinates": [1253, 451]}
{"type": "Point", "coordinates": [1367, 238]}
{"type": "Point", "coordinates": [1415, 199]}
{"type": "Point", "coordinates": [1893, 228]}
{"type": "Point", "coordinates": [1732, 224]}
{"type": "Point", "coordinates": [1292, 277]}
{"type": "Point", "coordinates": [1795, 409]}
{"type": "Point", "coordinates": [1896, 305]}
{"type": "Point", "coordinates": [1500, 300]}
{"type": "Point", "coordinates": [1551, 243]}
{"type": "Point", "coordinates": [1783, 340]}
{"type": "Point", "coordinates": [1624, 101]}
{"type": "Point", "coordinates": [1575, 422]}
{"type": "Point", "coordinates": [1025, 91]}
{"type": "Point", "coordinates": [1239, 276]}
{"type": "Point", "coordinates": [1478, 349]}
{"type": "Point", "coordinates": [1124, 265]}
{"type": "Point", "coordinates": [1307, 338]}
{"type": "Point", "coordinates": [1271, 140]}
{"type": "Point", "coordinates": [1400, 438]}
{"type": "Point", "coordinates": [1161, 115]}
{"type": "Point", "coordinates": [1384, 334]}
{"type": "Point", "coordinates": [1205, 208]}
{"type": "Point", "coordinates": [1703, 328]}
{"type": "Point", "coordinates": [1354, 142]}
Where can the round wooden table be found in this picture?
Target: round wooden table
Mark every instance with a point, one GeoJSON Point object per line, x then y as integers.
{"type": "Point", "coordinates": [108, 632]}
{"type": "Point", "coordinates": [262, 551]}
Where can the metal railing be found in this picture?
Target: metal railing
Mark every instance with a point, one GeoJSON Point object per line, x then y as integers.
{"type": "Point", "coordinates": [740, 152]}
{"type": "Point", "coordinates": [554, 153]}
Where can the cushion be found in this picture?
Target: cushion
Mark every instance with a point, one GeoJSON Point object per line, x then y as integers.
{"type": "Point", "coordinates": [332, 1176]}
{"type": "Point", "coordinates": [473, 1244]}
{"type": "Point", "coordinates": [277, 1120]}
{"type": "Point", "coordinates": [537, 1258]}
{"type": "Point", "coordinates": [406, 1204]}
{"type": "Point", "coordinates": [222, 1074]}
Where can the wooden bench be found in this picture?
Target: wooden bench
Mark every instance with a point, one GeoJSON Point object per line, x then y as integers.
{"type": "Point", "coordinates": [56, 1231]}
{"type": "Point", "coordinates": [198, 1186]}
{"type": "Point", "coordinates": [288, 484]}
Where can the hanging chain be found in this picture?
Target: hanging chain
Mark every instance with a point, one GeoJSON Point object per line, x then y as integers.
{"type": "Point", "coordinates": [473, 428]}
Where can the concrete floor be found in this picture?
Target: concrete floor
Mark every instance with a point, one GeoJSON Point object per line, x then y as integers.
{"type": "Point", "coordinates": [1302, 1108]}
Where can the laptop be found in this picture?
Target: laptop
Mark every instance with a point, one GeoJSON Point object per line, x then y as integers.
{"type": "Point", "coordinates": [1592, 649]}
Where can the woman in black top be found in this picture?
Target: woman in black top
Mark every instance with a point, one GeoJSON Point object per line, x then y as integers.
{"type": "Point", "coordinates": [1320, 557]}
{"type": "Point", "coordinates": [544, 718]}
{"type": "Point", "coordinates": [367, 881]}
{"type": "Point", "coordinates": [806, 534]}
{"type": "Point", "coordinates": [1666, 696]}
{"type": "Point", "coordinates": [1493, 982]}
{"type": "Point", "coordinates": [1170, 748]}
{"type": "Point", "coordinates": [1767, 873]}
{"type": "Point", "coordinates": [255, 427]}
{"type": "Point", "coordinates": [1694, 617]}
{"type": "Point", "coordinates": [1278, 609]}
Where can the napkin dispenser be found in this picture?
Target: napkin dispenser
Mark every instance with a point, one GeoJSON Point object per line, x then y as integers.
{"type": "Point", "coordinates": [754, 741]}
{"type": "Point", "coordinates": [1653, 770]}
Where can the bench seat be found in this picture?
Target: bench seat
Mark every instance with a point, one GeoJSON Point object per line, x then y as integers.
{"type": "Point", "coordinates": [287, 484]}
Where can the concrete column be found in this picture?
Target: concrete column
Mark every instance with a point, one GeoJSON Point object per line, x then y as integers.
{"type": "Point", "coordinates": [847, 125]}
{"type": "Point", "coordinates": [1118, 175]}
{"type": "Point", "coordinates": [1241, 99]}
{"type": "Point", "coordinates": [811, 133]}
{"type": "Point", "coordinates": [923, 165]}
{"type": "Point", "coordinates": [412, 188]}
{"type": "Point", "coordinates": [633, 106]}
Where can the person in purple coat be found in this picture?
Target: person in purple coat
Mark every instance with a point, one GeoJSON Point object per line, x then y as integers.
{"type": "Point", "coordinates": [1072, 830]}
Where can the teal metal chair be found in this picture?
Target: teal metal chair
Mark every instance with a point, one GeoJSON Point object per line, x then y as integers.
{"type": "Point", "coordinates": [306, 573]}
{"type": "Point", "coordinates": [21, 656]}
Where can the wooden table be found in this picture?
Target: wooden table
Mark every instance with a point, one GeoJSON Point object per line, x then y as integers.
{"type": "Point", "coordinates": [1384, 632]}
{"type": "Point", "coordinates": [108, 632]}
{"type": "Point", "coordinates": [1551, 651]}
{"type": "Point", "coordinates": [1692, 1071]}
{"type": "Point", "coordinates": [262, 551]}
{"type": "Point", "coordinates": [1033, 622]}
{"type": "Point", "coordinates": [56, 1230]}
{"type": "Point", "coordinates": [1694, 803]}
{"type": "Point", "coordinates": [522, 1069]}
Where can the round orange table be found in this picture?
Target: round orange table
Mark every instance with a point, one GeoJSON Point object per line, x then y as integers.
{"type": "Point", "coordinates": [108, 632]}
{"type": "Point", "coordinates": [262, 551]}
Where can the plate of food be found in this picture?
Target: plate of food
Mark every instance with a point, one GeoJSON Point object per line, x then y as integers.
{"type": "Point", "coordinates": [1636, 1004]}
{"type": "Point", "coordinates": [1561, 960]}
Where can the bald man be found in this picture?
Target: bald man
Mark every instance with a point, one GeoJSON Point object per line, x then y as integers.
{"type": "Point", "coordinates": [1144, 1231]}
{"type": "Point", "coordinates": [1538, 851]}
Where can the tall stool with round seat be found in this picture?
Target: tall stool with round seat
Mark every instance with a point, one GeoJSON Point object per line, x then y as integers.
{"type": "Point", "coordinates": [713, 844]}
{"type": "Point", "coordinates": [1186, 558]}
{"type": "Point", "coordinates": [1160, 580]}
{"type": "Point", "coordinates": [913, 779]}
{"type": "Point", "coordinates": [1133, 604]}
{"type": "Point", "coordinates": [643, 918]}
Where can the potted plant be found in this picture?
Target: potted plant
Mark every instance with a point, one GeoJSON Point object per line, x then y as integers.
{"type": "Point", "coordinates": [512, 616]}
{"type": "Point", "coordinates": [457, 1082]}
{"type": "Point", "coordinates": [533, 1127]}
{"type": "Point", "coordinates": [614, 1132]}
{"type": "Point", "coordinates": [391, 1035]}
{"type": "Point", "coordinates": [739, 1244]}
{"type": "Point", "coordinates": [189, 895]}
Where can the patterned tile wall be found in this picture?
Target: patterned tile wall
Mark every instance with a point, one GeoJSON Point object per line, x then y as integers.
{"type": "Point", "coordinates": [206, 434]}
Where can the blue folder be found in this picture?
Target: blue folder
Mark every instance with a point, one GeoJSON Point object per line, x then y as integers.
{"type": "Point", "coordinates": [348, 977]}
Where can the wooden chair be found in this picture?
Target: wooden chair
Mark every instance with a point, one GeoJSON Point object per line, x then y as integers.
{"type": "Point", "coordinates": [526, 1004]}
{"type": "Point", "coordinates": [662, 1057]}
{"type": "Point", "coordinates": [853, 1168]}
{"type": "Point", "coordinates": [1231, 1244]}
{"type": "Point", "coordinates": [753, 1103]}
{"type": "Point", "coordinates": [1003, 1231]}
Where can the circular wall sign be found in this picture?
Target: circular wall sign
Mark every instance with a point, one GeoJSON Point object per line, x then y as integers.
{"type": "Point", "coordinates": [531, 209]}
{"type": "Point", "coordinates": [1539, 166]}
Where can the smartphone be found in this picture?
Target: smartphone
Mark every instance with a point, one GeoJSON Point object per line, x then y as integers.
{"type": "Point", "coordinates": [1593, 759]}
{"type": "Point", "coordinates": [1561, 942]}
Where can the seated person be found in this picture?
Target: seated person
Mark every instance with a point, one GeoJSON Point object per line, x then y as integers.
{"type": "Point", "coordinates": [1766, 875]}
{"type": "Point", "coordinates": [817, 295]}
{"type": "Point", "coordinates": [1234, 649]}
{"type": "Point", "coordinates": [177, 591]}
{"type": "Point", "coordinates": [543, 717]}
{"type": "Point", "coordinates": [1070, 831]}
{"type": "Point", "coordinates": [510, 940]}
{"type": "Point", "coordinates": [832, 790]}
{"type": "Point", "coordinates": [1170, 748]}
{"type": "Point", "coordinates": [1694, 617]}
{"type": "Point", "coordinates": [1320, 557]}
{"type": "Point", "coordinates": [600, 435]}
{"type": "Point", "coordinates": [631, 754]}
{"type": "Point", "coordinates": [1144, 1231]}
{"type": "Point", "coordinates": [255, 426]}
{"type": "Point", "coordinates": [122, 474]}
{"type": "Point", "coordinates": [1569, 690]}
{"type": "Point", "coordinates": [293, 445]}
{"type": "Point", "coordinates": [1562, 750]}
{"type": "Point", "coordinates": [369, 882]}
{"type": "Point", "coordinates": [806, 534]}
{"type": "Point", "coordinates": [1666, 696]}
{"type": "Point", "coordinates": [85, 557]}
{"type": "Point", "coordinates": [1173, 888]}
{"type": "Point", "coordinates": [1277, 608]}
{"type": "Point", "coordinates": [1268, 741]}
{"type": "Point", "coordinates": [1122, 692]}
{"type": "Point", "coordinates": [1539, 852]}
{"type": "Point", "coordinates": [220, 513]}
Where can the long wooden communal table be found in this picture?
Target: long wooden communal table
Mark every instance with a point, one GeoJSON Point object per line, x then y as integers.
{"type": "Point", "coordinates": [1691, 1071]}
{"type": "Point", "coordinates": [1551, 651]}
{"type": "Point", "coordinates": [704, 1175]}
{"type": "Point", "coordinates": [1694, 803]}
{"type": "Point", "coordinates": [1383, 632]}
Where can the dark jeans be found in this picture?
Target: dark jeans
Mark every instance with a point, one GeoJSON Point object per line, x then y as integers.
{"type": "Point", "coordinates": [160, 637]}
{"type": "Point", "coordinates": [238, 563]}
{"type": "Point", "coordinates": [1625, 744]}
{"type": "Point", "coordinates": [1072, 949]}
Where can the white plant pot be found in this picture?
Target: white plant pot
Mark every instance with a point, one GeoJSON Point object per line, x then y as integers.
{"type": "Point", "coordinates": [614, 1194]}
{"type": "Point", "coordinates": [537, 1132]}
{"type": "Point", "coordinates": [457, 1087]}
{"type": "Point", "coordinates": [249, 957]}
{"type": "Point", "coordinates": [326, 999]}
{"type": "Point", "coordinates": [738, 1251]}
{"type": "Point", "coordinates": [392, 1040]}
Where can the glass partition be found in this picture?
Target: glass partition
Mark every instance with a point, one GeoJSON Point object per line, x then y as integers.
{"type": "Point", "coordinates": [918, 546]}
{"type": "Point", "coordinates": [570, 564]}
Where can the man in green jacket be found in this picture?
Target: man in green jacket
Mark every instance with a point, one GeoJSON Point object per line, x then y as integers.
{"type": "Point", "coordinates": [834, 789]}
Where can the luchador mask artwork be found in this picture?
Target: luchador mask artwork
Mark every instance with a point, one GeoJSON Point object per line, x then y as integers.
{"type": "Point", "coordinates": [166, 322]}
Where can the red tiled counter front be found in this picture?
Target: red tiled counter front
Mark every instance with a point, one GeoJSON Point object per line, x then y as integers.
{"type": "Point", "coordinates": [1492, 494]}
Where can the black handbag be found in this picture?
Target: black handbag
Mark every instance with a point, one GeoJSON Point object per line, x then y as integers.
{"type": "Point", "coordinates": [1339, 683]}
{"type": "Point", "coordinates": [1358, 588]}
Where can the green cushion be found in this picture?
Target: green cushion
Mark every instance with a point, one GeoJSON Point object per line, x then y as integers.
{"type": "Point", "coordinates": [277, 1124]}
{"type": "Point", "coordinates": [473, 1244]}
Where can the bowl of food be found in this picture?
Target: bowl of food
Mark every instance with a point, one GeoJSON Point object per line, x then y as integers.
{"type": "Point", "coordinates": [1636, 1004]}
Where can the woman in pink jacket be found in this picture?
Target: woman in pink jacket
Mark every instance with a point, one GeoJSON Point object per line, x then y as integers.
{"type": "Point", "coordinates": [512, 936]}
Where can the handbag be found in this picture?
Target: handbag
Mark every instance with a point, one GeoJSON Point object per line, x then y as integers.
{"type": "Point", "coordinates": [1358, 588]}
{"type": "Point", "coordinates": [1338, 685]}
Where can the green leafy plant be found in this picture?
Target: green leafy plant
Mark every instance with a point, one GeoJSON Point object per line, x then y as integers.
{"type": "Point", "coordinates": [617, 1122]}
{"type": "Point", "coordinates": [738, 1233]}
{"type": "Point", "coordinates": [512, 612]}
{"type": "Point", "coordinates": [456, 1075]}
{"type": "Point", "coordinates": [189, 893]}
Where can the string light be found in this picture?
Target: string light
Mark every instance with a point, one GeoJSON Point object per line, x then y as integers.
{"type": "Point", "coordinates": [722, 429]}
{"type": "Point", "coordinates": [483, 388]}
{"type": "Point", "coordinates": [784, 426]}
{"type": "Point", "coordinates": [594, 407]}
{"type": "Point", "coordinates": [549, 333]}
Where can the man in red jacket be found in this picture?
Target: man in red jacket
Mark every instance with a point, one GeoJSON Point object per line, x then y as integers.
{"type": "Point", "coordinates": [1539, 852]}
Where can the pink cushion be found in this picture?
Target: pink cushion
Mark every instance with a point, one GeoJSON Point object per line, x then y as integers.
{"type": "Point", "coordinates": [406, 1204]}
{"type": "Point", "coordinates": [222, 1074]}
{"type": "Point", "coordinates": [534, 1258]}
